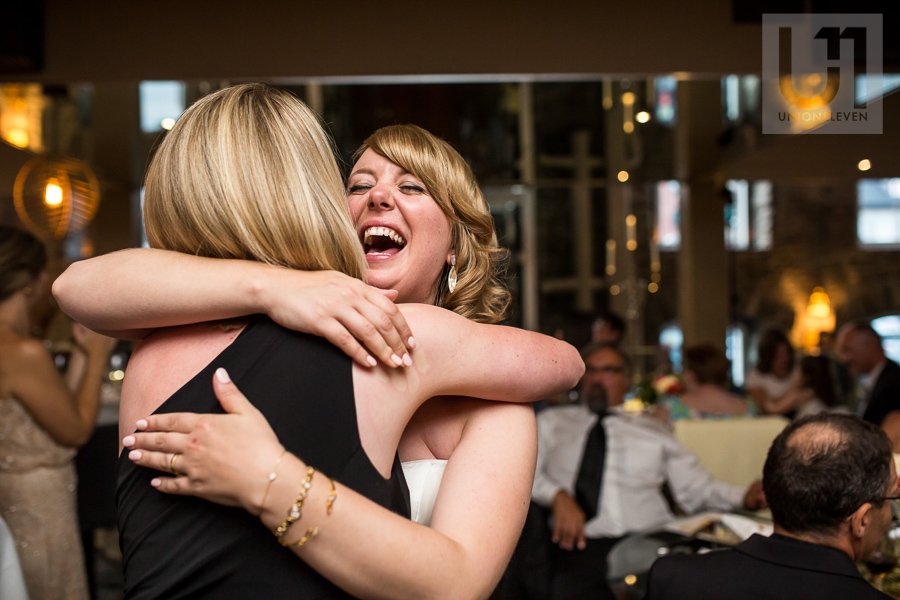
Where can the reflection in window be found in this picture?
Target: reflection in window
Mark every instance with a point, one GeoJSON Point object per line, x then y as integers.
{"type": "Point", "coordinates": [665, 99]}
{"type": "Point", "coordinates": [878, 211]}
{"type": "Point", "coordinates": [741, 95]}
{"type": "Point", "coordinates": [888, 327]}
{"type": "Point", "coordinates": [748, 216]}
{"type": "Point", "coordinates": [162, 102]}
{"type": "Point", "coordinates": [668, 214]}
{"type": "Point", "coordinates": [671, 338]}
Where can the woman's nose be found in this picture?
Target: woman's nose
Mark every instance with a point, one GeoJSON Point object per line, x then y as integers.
{"type": "Point", "coordinates": [380, 198]}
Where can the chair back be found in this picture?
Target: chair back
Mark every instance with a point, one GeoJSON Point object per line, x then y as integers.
{"type": "Point", "coordinates": [733, 450]}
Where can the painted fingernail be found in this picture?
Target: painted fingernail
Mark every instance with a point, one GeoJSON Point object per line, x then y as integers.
{"type": "Point", "coordinates": [397, 360]}
{"type": "Point", "coordinates": [135, 455]}
{"type": "Point", "coordinates": [155, 482]}
{"type": "Point", "coordinates": [407, 360]}
{"type": "Point", "coordinates": [142, 424]}
{"type": "Point", "coordinates": [371, 360]}
{"type": "Point", "coordinates": [128, 441]}
{"type": "Point", "coordinates": [411, 342]}
{"type": "Point", "coordinates": [222, 375]}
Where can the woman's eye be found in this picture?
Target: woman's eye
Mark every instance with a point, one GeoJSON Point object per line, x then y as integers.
{"type": "Point", "coordinates": [359, 187]}
{"type": "Point", "coordinates": [410, 187]}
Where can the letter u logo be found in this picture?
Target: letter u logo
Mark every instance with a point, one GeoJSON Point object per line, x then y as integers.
{"type": "Point", "coordinates": [832, 37]}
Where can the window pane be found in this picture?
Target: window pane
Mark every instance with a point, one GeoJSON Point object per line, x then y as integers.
{"type": "Point", "coordinates": [160, 100]}
{"type": "Point", "coordinates": [668, 214]}
{"type": "Point", "coordinates": [878, 216]}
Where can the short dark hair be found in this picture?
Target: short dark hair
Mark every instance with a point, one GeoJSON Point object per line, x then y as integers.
{"type": "Point", "coordinates": [768, 346]}
{"type": "Point", "coordinates": [598, 346]}
{"type": "Point", "coordinates": [708, 364]}
{"type": "Point", "coordinates": [613, 321]}
{"type": "Point", "coordinates": [814, 482]}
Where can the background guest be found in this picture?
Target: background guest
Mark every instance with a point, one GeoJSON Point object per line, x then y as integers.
{"type": "Point", "coordinates": [827, 478]}
{"type": "Point", "coordinates": [41, 424]}
{"type": "Point", "coordinates": [816, 375]}
{"type": "Point", "coordinates": [601, 471]}
{"type": "Point", "coordinates": [608, 327]}
{"type": "Point", "coordinates": [859, 348]}
{"type": "Point", "coordinates": [775, 384]}
{"type": "Point", "coordinates": [705, 397]}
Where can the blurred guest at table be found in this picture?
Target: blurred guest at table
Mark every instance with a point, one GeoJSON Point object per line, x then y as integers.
{"type": "Point", "coordinates": [608, 327]}
{"type": "Point", "coordinates": [601, 471]}
{"type": "Point", "coordinates": [705, 397]}
{"type": "Point", "coordinates": [859, 348]}
{"type": "Point", "coordinates": [41, 424]}
{"type": "Point", "coordinates": [775, 383]}
{"type": "Point", "coordinates": [816, 375]}
{"type": "Point", "coordinates": [827, 478]}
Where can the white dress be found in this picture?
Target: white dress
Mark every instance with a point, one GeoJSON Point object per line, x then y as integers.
{"type": "Point", "coordinates": [423, 477]}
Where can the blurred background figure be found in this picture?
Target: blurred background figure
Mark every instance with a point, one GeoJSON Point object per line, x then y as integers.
{"type": "Point", "coordinates": [775, 383]}
{"type": "Point", "coordinates": [608, 327]}
{"type": "Point", "coordinates": [705, 395]}
{"type": "Point", "coordinates": [859, 348]}
{"type": "Point", "coordinates": [42, 422]}
{"type": "Point", "coordinates": [817, 376]}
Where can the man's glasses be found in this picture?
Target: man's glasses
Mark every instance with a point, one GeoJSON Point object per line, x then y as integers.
{"type": "Point", "coordinates": [605, 370]}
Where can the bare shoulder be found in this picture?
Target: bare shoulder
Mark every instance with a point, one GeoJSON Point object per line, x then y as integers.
{"type": "Point", "coordinates": [22, 354]}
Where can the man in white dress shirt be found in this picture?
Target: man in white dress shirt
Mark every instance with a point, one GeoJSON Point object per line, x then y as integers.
{"type": "Point", "coordinates": [640, 456]}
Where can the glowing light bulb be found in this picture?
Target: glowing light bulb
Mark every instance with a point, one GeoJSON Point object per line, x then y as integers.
{"type": "Point", "coordinates": [623, 176]}
{"type": "Point", "coordinates": [167, 123]}
{"type": "Point", "coordinates": [864, 165]}
{"type": "Point", "coordinates": [17, 137]}
{"type": "Point", "coordinates": [53, 194]}
{"type": "Point", "coordinates": [642, 117]}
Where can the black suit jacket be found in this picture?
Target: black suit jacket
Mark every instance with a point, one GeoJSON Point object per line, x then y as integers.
{"type": "Point", "coordinates": [885, 396]}
{"type": "Point", "coordinates": [772, 568]}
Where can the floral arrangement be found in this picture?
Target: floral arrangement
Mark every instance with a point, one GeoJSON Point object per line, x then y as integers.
{"type": "Point", "coordinates": [668, 385]}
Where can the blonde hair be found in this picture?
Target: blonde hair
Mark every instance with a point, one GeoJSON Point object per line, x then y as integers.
{"type": "Point", "coordinates": [480, 294]}
{"type": "Point", "coordinates": [247, 172]}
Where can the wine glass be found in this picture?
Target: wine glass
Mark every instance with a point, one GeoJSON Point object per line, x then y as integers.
{"type": "Point", "coordinates": [883, 559]}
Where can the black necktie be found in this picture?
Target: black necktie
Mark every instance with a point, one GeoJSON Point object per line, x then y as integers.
{"type": "Point", "coordinates": [590, 474]}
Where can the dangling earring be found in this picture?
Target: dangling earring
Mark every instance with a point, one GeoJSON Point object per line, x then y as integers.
{"type": "Point", "coordinates": [451, 276]}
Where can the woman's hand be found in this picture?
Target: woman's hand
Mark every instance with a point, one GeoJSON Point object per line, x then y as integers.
{"type": "Point", "coordinates": [222, 458]}
{"type": "Point", "coordinates": [343, 310]}
{"type": "Point", "coordinates": [93, 344]}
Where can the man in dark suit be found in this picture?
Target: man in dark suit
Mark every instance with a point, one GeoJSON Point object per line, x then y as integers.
{"type": "Point", "coordinates": [828, 479]}
{"type": "Point", "coordinates": [859, 348]}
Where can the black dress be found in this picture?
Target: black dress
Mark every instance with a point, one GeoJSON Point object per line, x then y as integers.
{"type": "Point", "coordinates": [184, 547]}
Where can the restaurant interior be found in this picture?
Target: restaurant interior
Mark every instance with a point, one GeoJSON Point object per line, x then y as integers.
{"type": "Point", "coordinates": [621, 146]}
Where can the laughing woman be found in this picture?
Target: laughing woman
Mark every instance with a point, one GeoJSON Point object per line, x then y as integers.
{"type": "Point", "coordinates": [415, 206]}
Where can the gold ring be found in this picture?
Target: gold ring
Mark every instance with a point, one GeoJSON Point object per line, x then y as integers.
{"type": "Point", "coordinates": [172, 466]}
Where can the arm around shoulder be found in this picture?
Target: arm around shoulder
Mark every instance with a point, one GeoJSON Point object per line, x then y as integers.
{"type": "Point", "coordinates": [493, 362]}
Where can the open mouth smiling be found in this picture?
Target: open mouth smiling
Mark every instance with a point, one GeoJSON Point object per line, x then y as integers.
{"type": "Point", "coordinates": [382, 241]}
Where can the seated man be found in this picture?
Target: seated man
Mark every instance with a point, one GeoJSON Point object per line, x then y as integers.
{"type": "Point", "coordinates": [827, 480]}
{"type": "Point", "coordinates": [616, 471]}
{"type": "Point", "coordinates": [861, 351]}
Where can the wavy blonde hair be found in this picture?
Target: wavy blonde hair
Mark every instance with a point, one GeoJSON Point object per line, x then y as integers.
{"type": "Point", "coordinates": [480, 293]}
{"type": "Point", "coordinates": [248, 172]}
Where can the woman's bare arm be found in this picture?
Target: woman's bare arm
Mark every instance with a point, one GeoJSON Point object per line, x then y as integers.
{"type": "Point", "coordinates": [67, 416]}
{"type": "Point", "coordinates": [128, 294]}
